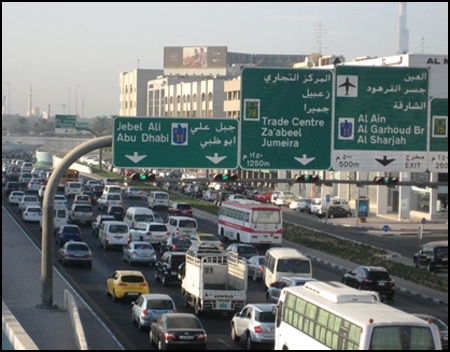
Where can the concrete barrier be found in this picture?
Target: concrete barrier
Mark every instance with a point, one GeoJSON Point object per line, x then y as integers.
{"type": "Point", "coordinates": [71, 306]}
{"type": "Point", "coordinates": [15, 333]}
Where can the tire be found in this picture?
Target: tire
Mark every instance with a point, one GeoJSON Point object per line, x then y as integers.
{"type": "Point", "coordinates": [132, 319]}
{"type": "Point", "coordinates": [186, 303]}
{"type": "Point", "coordinates": [331, 216]}
{"type": "Point", "coordinates": [130, 262]}
{"type": "Point", "coordinates": [151, 338]}
{"type": "Point", "coordinates": [248, 342]}
{"type": "Point", "coordinates": [140, 326]}
{"type": "Point", "coordinates": [89, 265]}
{"type": "Point", "coordinates": [234, 336]}
{"type": "Point", "coordinates": [429, 266]}
{"type": "Point", "coordinates": [164, 280]}
{"type": "Point", "coordinates": [268, 299]}
{"type": "Point", "coordinates": [416, 263]}
{"type": "Point", "coordinates": [156, 275]}
{"type": "Point", "coordinates": [349, 215]}
{"type": "Point", "coordinates": [114, 297]}
{"type": "Point", "coordinates": [238, 238]}
{"type": "Point", "coordinates": [161, 250]}
{"type": "Point", "coordinates": [161, 346]}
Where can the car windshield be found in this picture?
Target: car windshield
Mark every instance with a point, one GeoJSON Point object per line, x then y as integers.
{"type": "Point", "coordinates": [266, 317]}
{"type": "Point", "coordinates": [266, 217]}
{"type": "Point", "coordinates": [71, 229]}
{"type": "Point", "coordinates": [179, 240]}
{"type": "Point", "coordinates": [142, 246]}
{"type": "Point", "coordinates": [379, 276]}
{"type": "Point", "coordinates": [183, 323]}
{"type": "Point", "coordinates": [247, 250]}
{"type": "Point", "coordinates": [77, 247]}
{"type": "Point", "coordinates": [293, 265]}
{"type": "Point", "coordinates": [164, 304]}
{"type": "Point", "coordinates": [143, 217]}
{"type": "Point", "coordinates": [184, 206]}
{"type": "Point", "coordinates": [441, 250]}
{"type": "Point", "coordinates": [118, 228]}
{"type": "Point", "coordinates": [161, 196]}
{"type": "Point", "coordinates": [188, 224]}
{"type": "Point", "coordinates": [132, 278]}
{"type": "Point", "coordinates": [159, 228]}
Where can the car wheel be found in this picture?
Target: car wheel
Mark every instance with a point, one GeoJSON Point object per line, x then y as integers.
{"type": "Point", "coordinates": [416, 263]}
{"type": "Point", "coordinates": [268, 298]}
{"type": "Point", "coordinates": [114, 297]}
{"type": "Point", "coordinates": [331, 216]}
{"type": "Point", "coordinates": [163, 280]}
{"type": "Point", "coordinates": [359, 287]}
{"type": "Point", "coordinates": [161, 345]}
{"type": "Point", "coordinates": [429, 266]}
{"type": "Point", "coordinates": [255, 278]}
{"type": "Point", "coordinates": [234, 336]}
{"type": "Point", "coordinates": [249, 342]}
{"type": "Point", "coordinates": [130, 262]}
{"type": "Point", "coordinates": [349, 215]}
{"type": "Point", "coordinates": [390, 297]}
{"type": "Point", "coordinates": [133, 321]}
{"type": "Point", "coordinates": [64, 263]}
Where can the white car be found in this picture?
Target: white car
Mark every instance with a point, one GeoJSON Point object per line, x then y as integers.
{"type": "Point", "coordinates": [133, 192]}
{"type": "Point", "coordinates": [210, 195]}
{"type": "Point", "coordinates": [32, 213]}
{"type": "Point", "coordinates": [153, 232]}
{"type": "Point", "coordinates": [27, 200]}
{"type": "Point", "coordinates": [61, 199]}
{"type": "Point", "coordinates": [109, 199]}
{"type": "Point", "coordinates": [41, 191]}
{"type": "Point", "coordinates": [34, 185]}
{"type": "Point", "coordinates": [295, 204]}
{"type": "Point", "coordinates": [284, 200]}
{"type": "Point", "coordinates": [15, 197]}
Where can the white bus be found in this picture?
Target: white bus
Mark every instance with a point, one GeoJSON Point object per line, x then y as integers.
{"type": "Point", "coordinates": [248, 221]}
{"type": "Point", "coordinates": [333, 316]}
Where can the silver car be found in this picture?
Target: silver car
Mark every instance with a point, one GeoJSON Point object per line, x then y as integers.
{"type": "Point", "coordinates": [255, 324]}
{"type": "Point", "coordinates": [255, 267]}
{"type": "Point", "coordinates": [274, 291]}
{"type": "Point", "coordinates": [139, 252]}
{"type": "Point", "coordinates": [147, 308]}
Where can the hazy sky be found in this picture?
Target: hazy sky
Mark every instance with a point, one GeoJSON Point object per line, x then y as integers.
{"type": "Point", "coordinates": [54, 47]}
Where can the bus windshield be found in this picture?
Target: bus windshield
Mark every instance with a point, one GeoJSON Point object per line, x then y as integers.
{"type": "Point", "coordinates": [293, 266]}
{"type": "Point", "coordinates": [266, 217]}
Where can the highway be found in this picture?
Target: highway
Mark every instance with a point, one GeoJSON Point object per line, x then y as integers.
{"type": "Point", "coordinates": [91, 284]}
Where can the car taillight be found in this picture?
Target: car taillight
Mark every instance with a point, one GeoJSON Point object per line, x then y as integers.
{"type": "Point", "coordinates": [144, 311]}
{"type": "Point", "coordinates": [143, 284]}
{"type": "Point", "coordinates": [135, 253]}
{"type": "Point", "coordinates": [149, 233]}
{"type": "Point", "coordinates": [26, 213]}
{"type": "Point", "coordinates": [169, 336]}
{"type": "Point", "coordinates": [258, 329]}
{"type": "Point", "coordinates": [88, 255]}
{"type": "Point", "coordinates": [261, 269]}
{"type": "Point", "coordinates": [201, 337]}
{"type": "Point", "coordinates": [122, 284]}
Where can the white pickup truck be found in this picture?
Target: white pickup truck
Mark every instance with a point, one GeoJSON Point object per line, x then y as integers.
{"type": "Point", "coordinates": [214, 282]}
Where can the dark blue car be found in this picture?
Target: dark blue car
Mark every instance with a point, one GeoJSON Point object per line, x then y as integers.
{"type": "Point", "coordinates": [69, 233]}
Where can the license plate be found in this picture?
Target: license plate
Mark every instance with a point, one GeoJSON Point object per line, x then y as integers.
{"type": "Point", "coordinates": [79, 255]}
{"type": "Point", "coordinates": [133, 293]}
{"type": "Point", "coordinates": [445, 259]}
{"type": "Point", "coordinates": [381, 284]}
{"type": "Point", "coordinates": [184, 337]}
{"type": "Point", "coordinates": [174, 272]}
{"type": "Point", "coordinates": [223, 305]}
{"type": "Point", "coordinates": [145, 254]}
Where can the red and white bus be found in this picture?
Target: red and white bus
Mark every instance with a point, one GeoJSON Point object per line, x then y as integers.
{"type": "Point", "coordinates": [248, 221]}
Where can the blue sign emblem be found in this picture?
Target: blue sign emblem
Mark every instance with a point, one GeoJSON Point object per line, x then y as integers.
{"type": "Point", "coordinates": [386, 228]}
{"type": "Point", "coordinates": [179, 134]}
{"type": "Point", "coordinates": [345, 129]}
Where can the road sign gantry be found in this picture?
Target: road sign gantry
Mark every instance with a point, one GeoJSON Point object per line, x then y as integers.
{"type": "Point", "coordinates": [166, 142]}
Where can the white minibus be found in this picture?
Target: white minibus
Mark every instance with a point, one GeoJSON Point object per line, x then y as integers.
{"type": "Point", "coordinates": [283, 261]}
{"type": "Point", "coordinates": [138, 214]}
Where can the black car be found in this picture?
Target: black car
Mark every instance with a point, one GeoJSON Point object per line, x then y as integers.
{"type": "Point", "coordinates": [168, 267]}
{"type": "Point", "coordinates": [432, 255]}
{"type": "Point", "coordinates": [175, 244]}
{"type": "Point", "coordinates": [334, 211]}
{"type": "Point", "coordinates": [180, 330]}
{"type": "Point", "coordinates": [371, 278]}
{"type": "Point", "coordinates": [117, 211]}
{"type": "Point", "coordinates": [242, 250]}
{"type": "Point", "coordinates": [11, 186]}
{"type": "Point", "coordinates": [98, 190]}
{"type": "Point", "coordinates": [97, 224]}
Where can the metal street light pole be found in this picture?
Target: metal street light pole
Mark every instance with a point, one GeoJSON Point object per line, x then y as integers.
{"type": "Point", "coordinates": [76, 99]}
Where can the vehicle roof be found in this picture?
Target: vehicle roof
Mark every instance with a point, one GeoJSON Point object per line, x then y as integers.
{"type": "Point", "coordinates": [182, 217]}
{"type": "Point", "coordinates": [297, 279]}
{"type": "Point", "coordinates": [373, 268]}
{"type": "Point", "coordinates": [156, 296]}
{"type": "Point", "coordinates": [283, 252]}
{"type": "Point", "coordinates": [112, 222]}
{"type": "Point", "coordinates": [180, 315]}
{"type": "Point", "coordinates": [262, 307]}
{"type": "Point", "coordinates": [436, 244]}
{"type": "Point", "coordinates": [130, 272]}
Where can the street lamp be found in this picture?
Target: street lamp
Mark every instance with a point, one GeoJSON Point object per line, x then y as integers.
{"type": "Point", "coordinates": [76, 99]}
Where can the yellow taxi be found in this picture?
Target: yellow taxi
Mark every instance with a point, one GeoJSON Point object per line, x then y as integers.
{"type": "Point", "coordinates": [126, 284]}
{"type": "Point", "coordinates": [206, 238]}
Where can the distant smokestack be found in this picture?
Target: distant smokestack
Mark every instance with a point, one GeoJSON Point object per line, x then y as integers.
{"type": "Point", "coordinates": [402, 31]}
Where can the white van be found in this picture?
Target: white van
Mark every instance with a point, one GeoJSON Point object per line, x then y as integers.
{"type": "Point", "coordinates": [113, 233]}
{"type": "Point", "coordinates": [112, 189]}
{"type": "Point", "coordinates": [72, 189]}
{"type": "Point", "coordinates": [138, 214]}
{"type": "Point", "coordinates": [284, 261]}
{"type": "Point", "coordinates": [182, 226]}
{"type": "Point", "coordinates": [61, 217]}
{"type": "Point", "coordinates": [158, 199]}
{"type": "Point", "coordinates": [321, 204]}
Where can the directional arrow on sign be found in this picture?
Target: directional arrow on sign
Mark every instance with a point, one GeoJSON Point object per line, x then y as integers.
{"type": "Point", "coordinates": [304, 160]}
{"type": "Point", "coordinates": [216, 158]}
{"type": "Point", "coordinates": [135, 158]}
{"type": "Point", "coordinates": [385, 161]}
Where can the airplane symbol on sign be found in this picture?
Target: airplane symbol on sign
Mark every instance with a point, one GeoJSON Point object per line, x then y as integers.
{"type": "Point", "coordinates": [347, 84]}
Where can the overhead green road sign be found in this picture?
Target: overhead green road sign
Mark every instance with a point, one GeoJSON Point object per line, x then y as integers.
{"type": "Point", "coordinates": [165, 142]}
{"type": "Point", "coordinates": [65, 123]}
{"type": "Point", "coordinates": [438, 158]}
{"type": "Point", "coordinates": [381, 119]}
{"type": "Point", "coordinates": [286, 119]}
